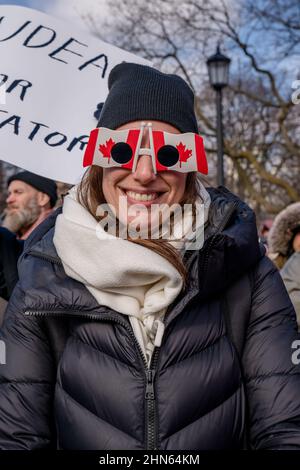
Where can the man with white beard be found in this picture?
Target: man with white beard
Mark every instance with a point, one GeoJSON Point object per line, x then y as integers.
{"type": "Point", "coordinates": [30, 200]}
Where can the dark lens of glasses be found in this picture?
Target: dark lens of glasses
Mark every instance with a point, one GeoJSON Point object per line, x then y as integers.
{"type": "Point", "coordinates": [168, 155]}
{"type": "Point", "coordinates": [121, 152]}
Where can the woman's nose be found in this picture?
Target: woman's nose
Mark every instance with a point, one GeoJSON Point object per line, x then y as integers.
{"type": "Point", "coordinates": [144, 172]}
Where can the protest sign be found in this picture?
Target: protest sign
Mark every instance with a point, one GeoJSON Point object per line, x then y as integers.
{"type": "Point", "coordinates": [53, 77]}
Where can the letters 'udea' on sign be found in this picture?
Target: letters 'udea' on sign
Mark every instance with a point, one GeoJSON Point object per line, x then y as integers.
{"type": "Point", "coordinates": [52, 78]}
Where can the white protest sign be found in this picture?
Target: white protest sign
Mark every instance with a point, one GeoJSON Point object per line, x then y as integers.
{"type": "Point", "coordinates": [53, 77]}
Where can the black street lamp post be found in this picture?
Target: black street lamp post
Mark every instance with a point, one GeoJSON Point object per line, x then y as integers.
{"type": "Point", "coordinates": [218, 70]}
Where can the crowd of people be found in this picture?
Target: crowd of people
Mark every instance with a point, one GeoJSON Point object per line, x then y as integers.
{"type": "Point", "coordinates": [32, 198]}
{"type": "Point", "coordinates": [119, 343]}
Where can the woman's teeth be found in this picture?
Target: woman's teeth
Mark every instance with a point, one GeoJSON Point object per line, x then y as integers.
{"type": "Point", "coordinates": [142, 197]}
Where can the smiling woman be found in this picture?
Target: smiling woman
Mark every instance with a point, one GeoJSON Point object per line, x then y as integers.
{"type": "Point", "coordinates": [147, 343]}
{"type": "Point", "coordinates": [140, 186]}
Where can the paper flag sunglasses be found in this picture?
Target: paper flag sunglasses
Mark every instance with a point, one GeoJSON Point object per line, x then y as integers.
{"type": "Point", "coordinates": [177, 152]}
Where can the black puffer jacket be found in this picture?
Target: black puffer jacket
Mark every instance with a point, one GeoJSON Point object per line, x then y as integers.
{"type": "Point", "coordinates": [194, 396]}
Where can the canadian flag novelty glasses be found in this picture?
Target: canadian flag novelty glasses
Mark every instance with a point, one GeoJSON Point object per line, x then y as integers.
{"type": "Point", "coordinates": [177, 152]}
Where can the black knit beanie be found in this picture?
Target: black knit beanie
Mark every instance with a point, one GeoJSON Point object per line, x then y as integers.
{"type": "Point", "coordinates": [45, 185]}
{"type": "Point", "coordinates": [138, 92]}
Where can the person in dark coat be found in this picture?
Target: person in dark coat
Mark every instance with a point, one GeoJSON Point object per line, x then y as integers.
{"type": "Point", "coordinates": [30, 200]}
{"type": "Point", "coordinates": [10, 250]}
{"type": "Point", "coordinates": [116, 343]}
{"type": "Point", "coordinates": [284, 242]}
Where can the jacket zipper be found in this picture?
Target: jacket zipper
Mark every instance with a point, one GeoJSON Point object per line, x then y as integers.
{"type": "Point", "coordinates": [151, 422]}
{"type": "Point", "coordinates": [150, 372]}
{"type": "Point", "coordinates": [37, 254]}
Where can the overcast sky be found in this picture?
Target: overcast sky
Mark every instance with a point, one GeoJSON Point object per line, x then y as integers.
{"type": "Point", "coordinates": [74, 10]}
{"type": "Point", "coordinates": [64, 9]}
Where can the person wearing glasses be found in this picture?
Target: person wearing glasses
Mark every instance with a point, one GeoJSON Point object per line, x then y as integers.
{"type": "Point", "coordinates": [179, 339]}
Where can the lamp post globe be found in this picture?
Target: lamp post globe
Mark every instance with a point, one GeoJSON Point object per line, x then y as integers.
{"type": "Point", "coordinates": [218, 72]}
{"type": "Point", "coordinates": [218, 69]}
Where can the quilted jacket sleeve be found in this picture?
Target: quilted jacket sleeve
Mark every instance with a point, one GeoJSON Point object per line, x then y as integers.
{"type": "Point", "coordinates": [271, 373]}
{"type": "Point", "coordinates": [26, 381]}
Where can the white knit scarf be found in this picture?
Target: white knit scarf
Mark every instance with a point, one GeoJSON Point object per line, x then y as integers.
{"type": "Point", "coordinates": [122, 275]}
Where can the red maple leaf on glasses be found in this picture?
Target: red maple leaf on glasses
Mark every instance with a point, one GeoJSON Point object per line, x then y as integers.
{"type": "Point", "coordinates": [184, 153]}
{"type": "Point", "coordinates": [106, 149]}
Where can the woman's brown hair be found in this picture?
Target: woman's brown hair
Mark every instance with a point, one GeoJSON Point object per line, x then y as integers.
{"type": "Point", "coordinates": [90, 195]}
